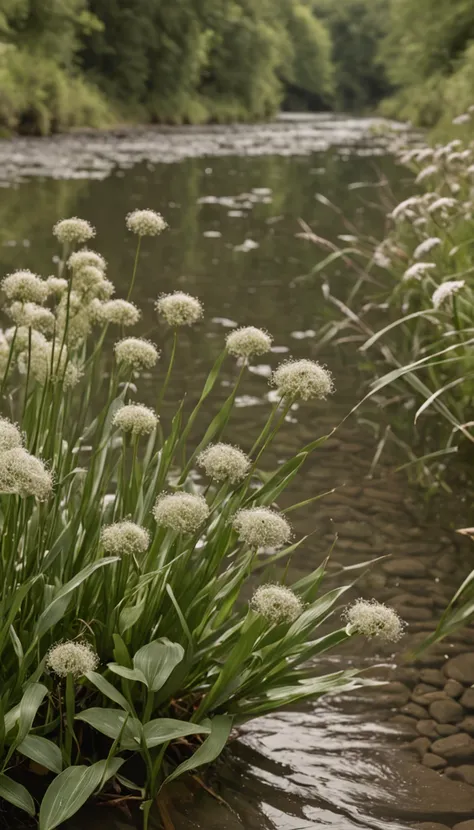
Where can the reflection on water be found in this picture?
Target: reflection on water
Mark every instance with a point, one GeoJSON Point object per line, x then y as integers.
{"type": "Point", "coordinates": [232, 242]}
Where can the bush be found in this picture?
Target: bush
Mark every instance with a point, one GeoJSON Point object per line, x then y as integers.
{"type": "Point", "coordinates": [128, 559]}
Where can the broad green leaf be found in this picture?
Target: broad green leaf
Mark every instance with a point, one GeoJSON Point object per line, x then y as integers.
{"type": "Point", "coordinates": [131, 614]}
{"type": "Point", "coordinates": [16, 794]}
{"type": "Point", "coordinates": [71, 789]}
{"type": "Point", "coordinates": [115, 723]}
{"type": "Point", "coordinates": [107, 689]}
{"type": "Point", "coordinates": [32, 699]}
{"type": "Point", "coordinates": [42, 751]}
{"type": "Point", "coordinates": [167, 729]}
{"type": "Point", "coordinates": [129, 674]}
{"type": "Point", "coordinates": [157, 660]}
{"type": "Point", "coordinates": [209, 751]}
{"type": "Point", "coordinates": [55, 610]}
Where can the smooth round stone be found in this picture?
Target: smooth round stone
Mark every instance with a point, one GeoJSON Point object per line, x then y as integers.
{"type": "Point", "coordinates": [446, 711]}
{"type": "Point", "coordinates": [467, 699]}
{"type": "Point", "coordinates": [433, 761]}
{"type": "Point", "coordinates": [461, 668]}
{"type": "Point", "coordinates": [455, 747]}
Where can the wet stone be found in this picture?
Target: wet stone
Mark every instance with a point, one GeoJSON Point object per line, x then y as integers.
{"type": "Point", "coordinates": [415, 711]}
{"type": "Point", "coordinates": [429, 698]}
{"type": "Point", "coordinates": [419, 745]}
{"type": "Point", "coordinates": [445, 729]}
{"type": "Point", "coordinates": [467, 725]}
{"type": "Point", "coordinates": [425, 688]}
{"type": "Point", "coordinates": [464, 773]}
{"type": "Point", "coordinates": [433, 761]}
{"type": "Point", "coordinates": [446, 711]}
{"type": "Point", "coordinates": [431, 825]}
{"type": "Point", "coordinates": [412, 613]}
{"type": "Point", "coordinates": [433, 677]}
{"type": "Point", "coordinates": [465, 825]}
{"type": "Point", "coordinates": [461, 668]}
{"type": "Point", "coordinates": [427, 728]}
{"type": "Point", "coordinates": [467, 699]}
{"type": "Point", "coordinates": [405, 566]}
{"type": "Point", "coordinates": [455, 748]}
{"type": "Point", "coordinates": [454, 689]}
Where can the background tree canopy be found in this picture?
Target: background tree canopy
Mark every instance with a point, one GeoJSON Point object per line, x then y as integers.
{"type": "Point", "coordinates": [65, 63]}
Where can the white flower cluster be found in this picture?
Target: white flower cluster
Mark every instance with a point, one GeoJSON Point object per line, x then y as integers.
{"type": "Point", "coordinates": [136, 419]}
{"type": "Point", "coordinates": [445, 291]}
{"type": "Point", "coordinates": [146, 222]}
{"type": "Point", "coordinates": [10, 435]}
{"type": "Point", "coordinates": [70, 657]}
{"type": "Point", "coordinates": [136, 353]}
{"type": "Point", "coordinates": [179, 308]}
{"type": "Point", "coordinates": [417, 271]}
{"type": "Point", "coordinates": [426, 246]}
{"type": "Point", "coordinates": [117, 312]}
{"type": "Point", "coordinates": [181, 512]}
{"type": "Point", "coordinates": [25, 287]}
{"type": "Point", "coordinates": [248, 342]}
{"type": "Point", "coordinates": [303, 379]}
{"type": "Point", "coordinates": [125, 538]}
{"type": "Point", "coordinates": [373, 619]}
{"type": "Point", "coordinates": [261, 527]}
{"type": "Point", "coordinates": [74, 230]}
{"type": "Point", "coordinates": [276, 603]}
{"type": "Point", "coordinates": [224, 462]}
{"type": "Point", "coordinates": [24, 474]}
{"type": "Point", "coordinates": [84, 258]}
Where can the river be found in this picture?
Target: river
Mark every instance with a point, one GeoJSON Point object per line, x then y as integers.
{"type": "Point", "coordinates": [233, 198]}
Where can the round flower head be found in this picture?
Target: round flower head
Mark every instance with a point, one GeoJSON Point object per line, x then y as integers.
{"type": "Point", "coordinates": [120, 312]}
{"type": "Point", "coordinates": [136, 353]}
{"type": "Point", "coordinates": [43, 363]}
{"type": "Point", "coordinates": [125, 538]}
{"type": "Point", "coordinates": [20, 338]}
{"type": "Point", "coordinates": [71, 658]}
{"type": "Point", "coordinates": [146, 222]}
{"type": "Point", "coordinates": [426, 246]}
{"type": "Point", "coordinates": [222, 461]}
{"type": "Point", "coordinates": [444, 203]}
{"type": "Point", "coordinates": [417, 271]}
{"type": "Point", "coordinates": [25, 287]}
{"type": "Point", "coordinates": [248, 341]}
{"type": "Point", "coordinates": [78, 321]}
{"type": "Point", "coordinates": [303, 379]}
{"type": "Point", "coordinates": [10, 435]}
{"type": "Point", "coordinates": [84, 257]}
{"type": "Point", "coordinates": [24, 474]}
{"type": "Point", "coordinates": [90, 280]}
{"type": "Point", "coordinates": [276, 603]}
{"type": "Point", "coordinates": [135, 418]}
{"type": "Point", "coordinates": [179, 308]}
{"type": "Point", "coordinates": [56, 286]}
{"type": "Point", "coordinates": [73, 230]}
{"type": "Point", "coordinates": [32, 316]}
{"type": "Point", "coordinates": [374, 619]}
{"type": "Point", "coordinates": [182, 512]}
{"type": "Point", "coordinates": [445, 291]}
{"type": "Point", "coordinates": [260, 527]}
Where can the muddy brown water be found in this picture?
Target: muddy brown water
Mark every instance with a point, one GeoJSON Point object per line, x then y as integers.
{"type": "Point", "coordinates": [233, 198]}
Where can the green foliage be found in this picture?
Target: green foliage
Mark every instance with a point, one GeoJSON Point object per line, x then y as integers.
{"type": "Point", "coordinates": [173, 648]}
{"type": "Point", "coordinates": [356, 28]}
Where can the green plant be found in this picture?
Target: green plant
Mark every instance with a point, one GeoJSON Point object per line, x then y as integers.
{"type": "Point", "coordinates": [125, 627]}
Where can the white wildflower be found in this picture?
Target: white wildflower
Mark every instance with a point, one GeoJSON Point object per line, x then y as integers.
{"type": "Point", "coordinates": [276, 603]}
{"type": "Point", "coordinates": [136, 353]}
{"type": "Point", "coordinates": [464, 118]}
{"type": "Point", "coordinates": [125, 538]}
{"type": "Point", "coordinates": [49, 360]}
{"type": "Point", "coordinates": [119, 312]}
{"type": "Point", "coordinates": [417, 271]}
{"type": "Point", "coordinates": [25, 287]}
{"type": "Point", "coordinates": [405, 209]}
{"type": "Point", "coordinates": [302, 379]}
{"type": "Point", "coordinates": [373, 619]}
{"type": "Point", "coordinates": [84, 257]}
{"type": "Point", "coordinates": [223, 461]}
{"type": "Point", "coordinates": [20, 338]}
{"type": "Point", "coordinates": [182, 512]}
{"type": "Point", "coordinates": [146, 222]}
{"type": "Point", "coordinates": [56, 286]}
{"type": "Point", "coordinates": [179, 308]}
{"type": "Point", "coordinates": [24, 474]}
{"type": "Point", "coordinates": [78, 319]}
{"type": "Point", "coordinates": [70, 657]}
{"type": "Point", "coordinates": [445, 291]}
{"type": "Point", "coordinates": [431, 170]}
{"type": "Point", "coordinates": [135, 418]}
{"type": "Point", "coordinates": [261, 527]}
{"type": "Point", "coordinates": [32, 316]}
{"type": "Point", "coordinates": [73, 230]}
{"type": "Point", "coordinates": [426, 246]}
{"type": "Point", "coordinates": [248, 341]}
{"type": "Point", "coordinates": [10, 435]}
{"type": "Point", "coordinates": [444, 203]}
{"type": "Point", "coordinates": [90, 281]}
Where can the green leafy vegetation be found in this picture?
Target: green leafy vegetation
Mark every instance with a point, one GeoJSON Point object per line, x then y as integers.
{"type": "Point", "coordinates": [146, 608]}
